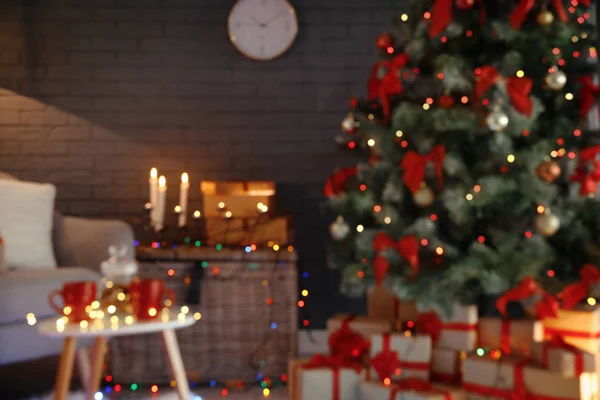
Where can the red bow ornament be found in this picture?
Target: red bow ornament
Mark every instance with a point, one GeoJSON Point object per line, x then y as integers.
{"type": "Point", "coordinates": [388, 86]}
{"type": "Point", "coordinates": [441, 16]}
{"type": "Point", "coordinates": [415, 167]}
{"type": "Point", "coordinates": [587, 172]}
{"type": "Point", "coordinates": [520, 12]}
{"type": "Point", "coordinates": [545, 307]}
{"type": "Point", "coordinates": [407, 247]}
{"type": "Point", "coordinates": [587, 95]}
{"type": "Point", "coordinates": [430, 324]}
{"type": "Point", "coordinates": [518, 89]}
{"type": "Point", "coordinates": [336, 184]}
{"type": "Point", "coordinates": [573, 294]}
{"type": "Point", "coordinates": [347, 344]}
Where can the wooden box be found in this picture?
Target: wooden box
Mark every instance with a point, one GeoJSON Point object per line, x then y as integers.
{"type": "Point", "coordinates": [240, 198]}
{"type": "Point", "coordinates": [245, 231]}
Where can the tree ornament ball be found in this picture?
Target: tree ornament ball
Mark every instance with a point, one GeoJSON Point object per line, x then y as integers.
{"type": "Point", "coordinates": [350, 124]}
{"type": "Point", "coordinates": [339, 229]}
{"type": "Point", "coordinates": [497, 120]}
{"type": "Point", "coordinates": [446, 101]}
{"type": "Point", "coordinates": [547, 224]}
{"type": "Point", "coordinates": [548, 171]}
{"type": "Point", "coordinates": [545, 18]}
{"type": "Point", "coordinates": [424, 197]}
{"type": "Point", "coordinates": [385, 41]}
{"type": "Point", "coordinates": [556, 80]}
{"type": "Point", "coordinates": [465, 4]}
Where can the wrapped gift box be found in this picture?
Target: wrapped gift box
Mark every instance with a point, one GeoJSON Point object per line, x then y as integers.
{"type": "Point", "coordinates": [510, 336]}
{"type": "Point", "coordinates": [485, 377]}
{"type": "Point", "coordinates": [366, 326]}
{"type": "Point", "coordinates": [319, 383]}
{"type": "Point", "coordinates": [421, 391]}
{"type": "Point", "coordinates": [580, 328]}
{"type": "Point", "coordinates": [459, 330]}
{"type": "Point", "coordinates": [241, 198]}
{"type": "Point", "coordinates": [446, 365]}
{"type": "Point", "coordinates": [566, 360]}
{"type": "Point", "coordinates": [243, 231]}
{"type": "Point", "coordinates": [384, 304]}
{"type": "Point", "coordinates": [413, 351]}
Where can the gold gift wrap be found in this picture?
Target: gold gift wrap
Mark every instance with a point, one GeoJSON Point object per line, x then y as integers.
{"type": "Point", "coordinates": [365, 326]}
{"type": "Point", "coordinates": [241, 198]}
{"type": "Point", "coordinates": [379, 391]}
{"type": "Point", "coordinates": [563, 360]}
{"type": "Point", "coordinates": [446, 364]}
{"type": "Point", "coordinates": [384, 304]}
{"type": "Point", "coordinates": [318, 383]}
{"type": "Point", "coordinates": [580, 328]}
{"type": "Point", "coordinates": [243, 231]}
{"type": "Point", "coordinates": [521, 334]}
{"type": "Point", "coordinates": [414, 351]}
{"type": "Point", "coordinates": [485, 377]}
{"type": "Point", "coordinates": [460, 331]}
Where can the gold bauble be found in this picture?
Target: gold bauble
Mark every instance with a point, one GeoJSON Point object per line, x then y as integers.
{"type": "Point", "coordinates": [556, 80]}
{"type": "Point", "coordinates": [547, 224]}
{"type": "Point", "coordinates": [548, 171]}
{"type": "Point", "coordinates": [424, 197]}
{"type": "Point", "coordinates": [545, 18]}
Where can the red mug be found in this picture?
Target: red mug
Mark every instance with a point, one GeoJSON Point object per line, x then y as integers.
{"type": "Point", "coordinates": [77, 296]}
{"type": "Point", "coordinates": [147, 297]}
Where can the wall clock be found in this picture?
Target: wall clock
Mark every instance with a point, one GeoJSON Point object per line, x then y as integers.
{"type": "Point", "coordinates": [262, 29]}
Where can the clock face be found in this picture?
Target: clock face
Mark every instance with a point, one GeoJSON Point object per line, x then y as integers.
{"type": "Point", "coordinates": [262, 29]}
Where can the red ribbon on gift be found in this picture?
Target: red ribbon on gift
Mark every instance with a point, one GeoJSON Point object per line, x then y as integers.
{"type": "Point", "coordinates": [407, 247]}
{"type": "Point", "coordinates": [587, 95]}
{"type": "Point", "coordinates": [429, 323]}
{"type": "Point", "coordinates": [415, 166]}
{"type": "Point", "coordinates": [418, 385]}
{"type": "Point", "coordinates": [518, 89]}
{"type": "Point", "coordinates": [386, 362]}
{"type": "Point", "coordinates": [587, 171]}
{"type": "Point", "coordinates": [573, 294]}
{"type": "Point", "coordinates": [347, 344]}
{"type": "Point", "coordinates": [557, 342]}
{"type": "Point", "coordinates": [335, 364]}
{"type": "Point", "coordinates": [505, 336]}
{"type": "Point", "coordinates": [441, 16]}
{"type": "Point", "coordinates": [336, 184]}
{"type": "Point", "coordinates": [524, 7]}
{"type": "Point", "coordinates": [388, 86]}
{"type": "Point", "coordinates": [528, 287]}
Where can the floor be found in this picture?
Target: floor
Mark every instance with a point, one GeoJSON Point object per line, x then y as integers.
{"type": "Point", "coordinates": [202, 394]}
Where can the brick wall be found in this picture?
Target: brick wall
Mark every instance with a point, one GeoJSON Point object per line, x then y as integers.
{"type": "Point", "coordinates": [93, 93]}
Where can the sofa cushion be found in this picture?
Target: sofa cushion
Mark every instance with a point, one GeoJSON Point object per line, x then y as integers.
{"type": "Point", "coordinates": [26, 223]}
{"type": "Point", "coordinates": [24, 291]}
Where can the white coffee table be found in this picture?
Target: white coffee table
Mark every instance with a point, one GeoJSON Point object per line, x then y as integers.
{"type": "Point", "coordinates": [101, 330]}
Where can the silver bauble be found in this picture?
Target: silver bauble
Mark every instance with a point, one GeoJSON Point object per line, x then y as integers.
{"type": "Point", "coordinates": [547, 224]}
{"type": "Point", "coordinates": [556, 80]}
{"type": "Point", "coordinates": [497, 120]}
{"type": "Point", "coordinates": [350, 124]}
{"type": "Point", "coordinates": [424, 197]}
{"type": "Point", "coordinates": [339, 229]}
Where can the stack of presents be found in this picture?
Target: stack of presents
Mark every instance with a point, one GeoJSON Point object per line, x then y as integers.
{"type": "Point", "coordinates": [397, 353]}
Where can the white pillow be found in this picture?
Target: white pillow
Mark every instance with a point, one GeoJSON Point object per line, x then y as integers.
{"type": "Point", "coordinates": [26, 215]}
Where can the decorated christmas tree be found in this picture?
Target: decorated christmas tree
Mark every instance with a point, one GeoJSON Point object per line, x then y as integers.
{"type": "Point", "coordinates": [481, 164]}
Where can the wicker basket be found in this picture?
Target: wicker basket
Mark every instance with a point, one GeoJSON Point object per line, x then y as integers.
{"type": "Point", "coordinates": [236, 334]}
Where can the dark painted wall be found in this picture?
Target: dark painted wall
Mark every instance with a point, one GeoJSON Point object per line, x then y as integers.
{"type": "Point", "coordinates": [94, 93]}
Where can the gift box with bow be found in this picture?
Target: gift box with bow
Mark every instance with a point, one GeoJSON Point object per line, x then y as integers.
{"type": "Point", "coordinates": [509, 377]}
{"type": "Point", "coordinates": [412, 389]}
{"type": "Point", "coordinates": [383, 304]}
{"type": "Point", "coordinates": [456, 332]}
{"type": "Point", "coordinates": [399, 357]}
{"type": "Point", "coordinates": [446, 365]}
{"type": "Point", "coordinates": [324, 378]}
{"type": "Point", "coordinates": [558, 356]}
{"type": "Point", "coordinates": [349, 335]}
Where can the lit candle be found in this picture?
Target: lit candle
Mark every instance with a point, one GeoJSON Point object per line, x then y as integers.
{"type": "Point", "coordinates": [161, 202]}
{"type": "Point", "coordinates": [153, 194]}
{"type": "Point", "coordinates": [184, 189]}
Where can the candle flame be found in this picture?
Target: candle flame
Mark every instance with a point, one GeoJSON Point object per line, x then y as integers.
{"type": "Point", "coordinates": [185, 178]}
{"type": "Point", "coordinates": [153, 173]}
{"type": "Point", "coordinates": [162, 181]}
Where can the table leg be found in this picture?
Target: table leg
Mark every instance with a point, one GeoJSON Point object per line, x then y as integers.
{"type": "Point", "coordinates": [176, 363]}
{"type": "Point", "coordinates": [96, 367]}
{"type": "Point", "coordinates": [65, 369]}
{"type": "Point", "coordinates": [83, 366]}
